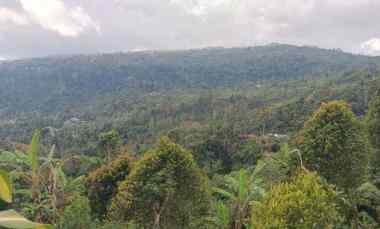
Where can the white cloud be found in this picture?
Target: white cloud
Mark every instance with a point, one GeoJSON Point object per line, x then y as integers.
{"type": "Point", "coordinates": [371, 46]}
{"type": "Point", "coordinates": [54, 15]}
{"type": "Point", "coordinates": [201, 7]}
{"type": "Point", "coordinates": [11, 16]}
{"type": "Point", "coordinates": [178, 24]}
{"type": "Point", "coordinates": [246, 22]}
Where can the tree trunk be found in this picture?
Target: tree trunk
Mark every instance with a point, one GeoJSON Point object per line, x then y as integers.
{"type": "Point", "coordinates": [238, 221]}
{"type": "Point", "coordinates": [237, 224]}
{"type": "Point", "coordinates": [36, 195]}
{"type": "Point", "coordinates": [158, 209]}
{"type": "Point", "coordinates": [156, 224]}
{"type": "Point", "coordinates": [108, 155]}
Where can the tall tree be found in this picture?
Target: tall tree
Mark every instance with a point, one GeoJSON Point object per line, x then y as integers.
{"type": "Point", "coordinates": [102, 184]}
{"type": "Point", "coordinates": [334, 144]}
{"type": "Point", "coordinates": [110, 142]}
{"type": "Point", "coordinates": [215, 151]}
{"type": "Point", "coordinates": [373, 126]}
{"type": "Point", "coordinates": [165, 189]}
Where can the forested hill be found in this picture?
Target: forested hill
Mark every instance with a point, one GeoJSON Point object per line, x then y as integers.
{"type": "Point", "coordinates": [267, 89]}
{"type": "Point", "coordinates": [58, 83]}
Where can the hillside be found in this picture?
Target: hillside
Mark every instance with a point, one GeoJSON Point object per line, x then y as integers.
{"type": "Point", "coordinates": [53, 84]}
{"type": "Point", "coordinates": [144, 94]}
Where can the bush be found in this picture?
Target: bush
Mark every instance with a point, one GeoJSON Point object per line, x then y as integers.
{"type": "Point", "coordinates": [304, 202]}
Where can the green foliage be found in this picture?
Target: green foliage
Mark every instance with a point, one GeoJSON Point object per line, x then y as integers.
{"type": "Point", "coordinates": [216, 150]}
{"type": "Point", "coordinates": [102, 183]}
{"type": "Point", "coordinates": [334, 144]}
{"type": "Point", "coordinates": [116, 225]}
{"type": "Point", "coordinates": [79, 165]}
{"type": "Point", "coordinates": [143, 95]}
{"type": "Point", "coordinates": [373, 126]}
{"type": "Point", "coordinates": [305, 202]}
{"type": "Point", "coordinates": [368, 202]}
{"type": "Point", "coordinates": [77, 215]}
{"type": "Point", "coordinates": [248, 154]}
{"type": "Point", "coordinates": [110, 142]}
{"type": "Point", "coordinates": [239, 190]}
{"type": "Point", "coordinates": [232, 107]}
{"type": "Point", "coordinates": [278, 167]}
{"type": "Point", "coordinates": [12, 161]}
{"type": "Point", "coordinates": [102, 74]}
{"type": "Point", "coordinates": [10, 218]}
{"type": "Point", "coordinates": [34, 151]}
{"type": "Point", "coordinates": [165, 189]}
{"type": "Point", "coordinates": [222, 215]}
{"type": "Point", "coordinates": [5, 187]}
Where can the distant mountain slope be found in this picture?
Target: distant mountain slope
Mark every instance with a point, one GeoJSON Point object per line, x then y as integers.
{"type": "Point", "coordinates": [271, 89]}
{"type": "Point", "coordinates": [57, 83]}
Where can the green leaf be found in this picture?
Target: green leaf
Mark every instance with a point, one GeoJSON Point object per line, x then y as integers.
{"type": "Point", "coordinates": [224, 193]}
{"type": "Point", "coordinates": [34, 150]}
{"type": "Point", "coordinates": [44, 226]}
{"type": "Point", "coordinates": [11, 219]}
{"type": "Point", "coordinates": [5, 187]}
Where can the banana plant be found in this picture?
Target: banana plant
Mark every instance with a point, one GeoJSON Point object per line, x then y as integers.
{"type": "Point", "coordinates": [30, 168]}
{"type": "Point", "coordinates": [34, 162]}
{"type": "Point", "coordinates": [240, 191]}
{"type": "Point", "coordinates": [222, 216]}
{"type": "Point", "coordinates": [47, 185]}
{"type": "Point", "coordinates": [25, 166]}
{"type": "Point", "coordinates": [10, 218]}
{"type": "Point", "coordinates": [57, 185]}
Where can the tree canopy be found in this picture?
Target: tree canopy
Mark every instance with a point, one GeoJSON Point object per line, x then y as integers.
{"type": "Point", "coordinates": [304, 202]}
{"type": "Point", "coordinates": [333, 143]}
{"type": "Point", "coordinates": [165, 189]}
{"type": "Point", "coordinates": [102, 183]}
{"type": "Point", "coordinates": [373, 126]}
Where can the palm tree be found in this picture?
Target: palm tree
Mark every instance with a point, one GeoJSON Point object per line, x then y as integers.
{"type": "Point", "coordinates": [239, 191]}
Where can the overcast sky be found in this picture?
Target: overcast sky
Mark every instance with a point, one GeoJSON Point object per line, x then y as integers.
{"type": "Point", "coordinates": [49, 27]}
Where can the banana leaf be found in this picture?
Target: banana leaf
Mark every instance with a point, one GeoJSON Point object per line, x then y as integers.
{"type": "Point", "coordinates": [5, 187]}
{"type": "Point", "coordinates": [12, 220]}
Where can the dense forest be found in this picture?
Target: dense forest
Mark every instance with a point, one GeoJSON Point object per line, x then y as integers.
{"type": "Point", "coordinates": [273, 136]}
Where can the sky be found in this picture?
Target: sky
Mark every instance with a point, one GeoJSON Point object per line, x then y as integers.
{"type": "Point", "coordinates": [33, 28]}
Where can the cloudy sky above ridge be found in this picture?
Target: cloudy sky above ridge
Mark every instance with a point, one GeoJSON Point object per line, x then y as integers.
{"type": "Point", "coordinates": [31, 28]}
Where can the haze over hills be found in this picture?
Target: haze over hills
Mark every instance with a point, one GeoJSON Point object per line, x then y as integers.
{"type": "Point", "coordinates": [131, 90]}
